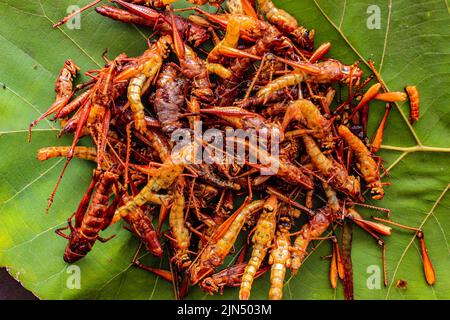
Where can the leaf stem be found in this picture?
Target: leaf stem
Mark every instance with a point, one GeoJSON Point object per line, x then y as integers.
{"type": "Point", "coordinates": [418, 148]}
{"type": "Point", "coordinates": [397, 161]}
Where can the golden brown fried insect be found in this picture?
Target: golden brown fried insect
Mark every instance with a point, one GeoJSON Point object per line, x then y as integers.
{"type": "Point", "coordinates": [318, 224]}
{"type": "Point", "coordinates": [368, 167]}
{"type": "Point", "coordinates": [141, 225]}
{"type": "Point", "coordinates": [206, 173]}
{"type": "Point", "coordinates": [102, 94]}
{"type": "Point", "coordinates": [414, 110]}
{"type": "Point", "coordinates": [280, 258]}
{"type": "Point", "coordinates": [64, 91]}
{"type": "Point", "coordinates": [278, 165]}
{"type": "Point", "coordinates": [229, 41]}
{"type": "Point", "coordinates": [160, 21]}
{"type": "Point", "coordinates": [250, 28]}
{"type": "Point", "coordinates": [147, 68]}
{"type": "Point", "coordinates": [310, 117]}
{"type": "Point", "coordinates": [169, 98]}
{"type": "Point", "coordinates": [378, 137]}
{"type": "Point", "coordinates": [322, 72]}
{"type": "Point", "coordinates": [332, 198]}
{"type": "Point", "coordinates": [287, 24]}
{"type": "Point", "coordinates": [220, 70]}
{"type": "Point", "coordinates": [331, 169]}
{"type": "Point", "coordinates": [89, 224]}
{"type": "Point", "coordinates": [85, 153]}
{"type": "Point", "coordinates": [228, 89]}
{"type": "Point", "coordinates": [272, 97]}
{"type": "Point", "coordinates": [73, 105]}
{"type": "Point", "coordinates": [193, 67]}
{"type": "Point", "coordinates": [163, 179]}
{"type": "Point", "coordinates": [262, 239]}
{"type": "Point", "coordinates": [228, 277]}
{"type": "Point", "coordinates": [179, 231]}
{"type": "Point", "coordinates": [222, 241]}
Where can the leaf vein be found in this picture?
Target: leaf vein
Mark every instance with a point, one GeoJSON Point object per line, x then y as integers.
{"type": "Point", "coordinates": [365, 61]}
{"type": "Point", "coordinates": [441, 196]}
{"type": "Point", "coordinates": [66, 35]}
{"type": "Point", "coordinates": [32, 182]}
{"type": "Point", "coordinates": [386, 35]}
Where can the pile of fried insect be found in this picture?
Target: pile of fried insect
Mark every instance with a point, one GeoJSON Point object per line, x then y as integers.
{"type": "Point", "coordinates": [263, 73]}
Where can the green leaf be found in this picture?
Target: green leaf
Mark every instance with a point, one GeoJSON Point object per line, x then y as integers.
{"type": "Point", "coordinates": [411, 47]}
